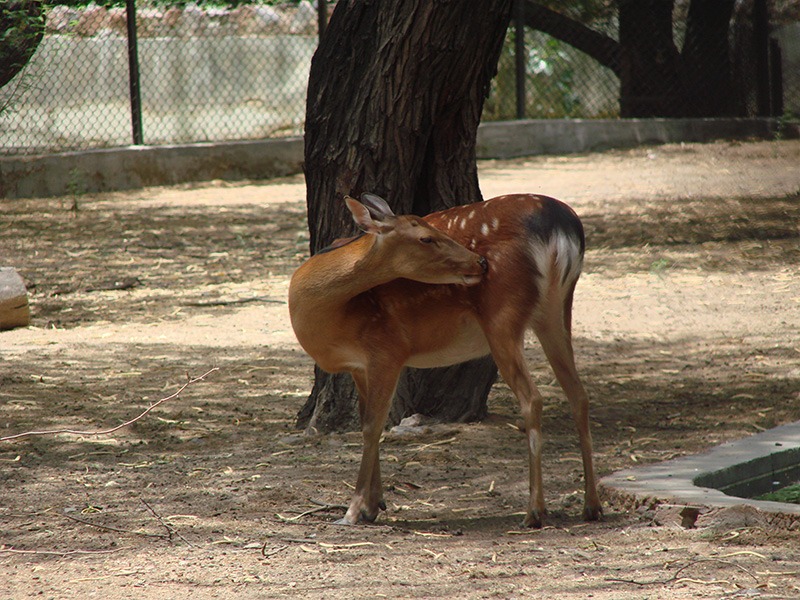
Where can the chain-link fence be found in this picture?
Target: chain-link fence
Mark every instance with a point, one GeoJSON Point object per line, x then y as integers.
{"type": "Point", "coordinates": [209, 74]}
{"type": "Point", "coordinates": [205, 75]}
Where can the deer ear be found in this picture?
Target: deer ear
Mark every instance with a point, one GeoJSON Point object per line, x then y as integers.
{"type": "Point", "coordinates": [377, 206]}
{"type": "Point", "coordinates": [364, 219]}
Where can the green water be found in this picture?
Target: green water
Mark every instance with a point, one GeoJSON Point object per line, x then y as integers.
{"type": "Point", "coordinates": [790, 494]}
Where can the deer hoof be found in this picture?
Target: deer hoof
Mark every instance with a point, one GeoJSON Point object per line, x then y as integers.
{"type": "Point", "coordinates": [592, 513]}
{"type": "Point", "coordinates": [369, 516]}
{"type": "Point", "coordinates": [534, 519]}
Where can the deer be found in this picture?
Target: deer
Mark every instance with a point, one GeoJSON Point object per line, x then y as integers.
{"type": "Point", "coordinates": [442, 289]}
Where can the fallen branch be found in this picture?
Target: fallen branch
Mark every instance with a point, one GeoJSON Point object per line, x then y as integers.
{"type": "Point", "coordinates": [676, 578]}
{"type": "Point", "coordinates": [11, 550]}
{"type": "Point", "coordinates": [321, 506]}
{"type": "Point", "coordinates": [102, 577]}
{"type": "Point", "coordinates": [202, 303]}
{"type": "Point", "coordinates": [434, 444]}
{"type": "Point", "coordinates": [117, 529]}
{"type": "Point", "coordinates": [118, 427]}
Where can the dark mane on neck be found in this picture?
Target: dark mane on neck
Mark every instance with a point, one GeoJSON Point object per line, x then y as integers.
{"type": "Point", "coordinates": [340, 242]}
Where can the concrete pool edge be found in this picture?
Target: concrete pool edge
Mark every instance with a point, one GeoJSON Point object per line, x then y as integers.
{"type": "Point", "coordinates": [673, 482]}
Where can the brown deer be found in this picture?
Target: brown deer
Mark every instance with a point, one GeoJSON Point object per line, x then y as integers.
{"type": "Point", "coordinates": [435, 291]}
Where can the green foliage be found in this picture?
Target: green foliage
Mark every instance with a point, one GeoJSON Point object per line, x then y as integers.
{"type": "Point", "coordinates": [660, 266]}
{"type": "Point", "coordinates": [163, 3]}
{"type": "Point", "coordinates": [549, 81]}
{"type": "Point", "coordinates": [21, 29]}
{"type": "Point", "coordinates": [551, 74]}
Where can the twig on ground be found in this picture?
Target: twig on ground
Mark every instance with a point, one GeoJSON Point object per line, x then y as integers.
{"type": "Point", "coordinates": [272, 551]}
{"type": "Point", "coordinates": [168, 526]}
{"type": "Point", "coordinates": [202, 303]}
{"type": "Point", "coordinates": [434, 444]}
{"type": "Point", "coordinates": [11, 550]}
{"type": "Point", "coordinates": [102, 577]}
{"type": "Point", "coordinates": [189, 382]}
{"type": "Point", "coordinates": [117, 529]}
{"type": "Point", "coordinates": [718, 560]}
{"type": "Point", "coordinates": [676, 578]}
{"type": "Point", "coordinates": [321, 506]}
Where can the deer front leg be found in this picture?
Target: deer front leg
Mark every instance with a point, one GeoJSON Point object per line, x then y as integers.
{"type": "Point", "coordinates": [374, 400]}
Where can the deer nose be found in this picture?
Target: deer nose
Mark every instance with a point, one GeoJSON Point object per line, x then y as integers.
{"type": "Point", "coordinates": [483, 263]}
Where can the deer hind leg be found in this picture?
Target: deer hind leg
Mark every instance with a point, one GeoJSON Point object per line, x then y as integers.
{"type": "Point", "coordinates": [511, 363]}
{"type": "Point", "coordinates": [374, 401]}
{"type": "Point", "coordinates": [554, 333]}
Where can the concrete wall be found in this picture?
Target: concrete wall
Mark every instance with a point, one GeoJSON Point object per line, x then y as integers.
{"type": "Point", "coordinates": [192, 89]}
{"type": "Point", "coordinates": [134, 167]}
{"type": "Point", "coordinates": [788, 37]}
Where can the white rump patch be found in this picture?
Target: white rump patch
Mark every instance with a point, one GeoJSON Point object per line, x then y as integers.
{"type": "Point", "coordinates": [567, 253]}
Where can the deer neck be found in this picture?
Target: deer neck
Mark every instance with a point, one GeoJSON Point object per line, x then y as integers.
{"type": "Point", "coordinates": [331, 279]}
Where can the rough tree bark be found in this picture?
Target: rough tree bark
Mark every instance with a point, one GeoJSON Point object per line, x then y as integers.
{"type": "Point", "coordinates": [395, 96]}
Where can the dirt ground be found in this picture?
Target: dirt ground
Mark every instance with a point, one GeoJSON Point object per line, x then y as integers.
{"type": "Point", "coordinates": [686, 326]}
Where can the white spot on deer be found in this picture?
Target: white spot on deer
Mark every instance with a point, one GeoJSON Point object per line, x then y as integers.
{"type": "Point", "coordinates": [495, 224]}
{"type": "Point", "coordinates": [464, 224]}
{"type": "Point", "coordinates": [484, 229]}
{"type": "Point", "coordinates": [471, 214]}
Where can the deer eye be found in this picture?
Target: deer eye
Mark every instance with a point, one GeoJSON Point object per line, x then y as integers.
{"type": "Point", "coordinates": [426, 240]}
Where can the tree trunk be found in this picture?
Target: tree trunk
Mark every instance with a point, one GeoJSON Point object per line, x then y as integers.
{"type": "Point", "coordinates": [395, 96]}
{"type": "Point", "coordinates": [706, 59]}
{"type": "Point", "coordinates": [650, 78]}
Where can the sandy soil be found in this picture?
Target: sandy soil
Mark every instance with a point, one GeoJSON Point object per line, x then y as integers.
{"type": "Point", "coordinates": [686, 325]}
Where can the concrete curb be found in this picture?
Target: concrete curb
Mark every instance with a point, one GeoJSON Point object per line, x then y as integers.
{"type": "Point", "coordinates": [510, 139]}
{"type": "Point", "coordinates": [679, 481]}
{"type": "Point", "coordinates": [139, 166]}
{"type": "Point", "coordinates": [133, 167]}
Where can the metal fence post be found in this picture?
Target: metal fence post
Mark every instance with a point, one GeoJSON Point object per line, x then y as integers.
{"type": "Point", "coordinates": [775, 78]}
{"type": "Point", "coordinates": [133, 70]}
{"type": "Point", "coordinates": [322, 18]}
{"type": "Point", "coordinates": [520, 59]}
